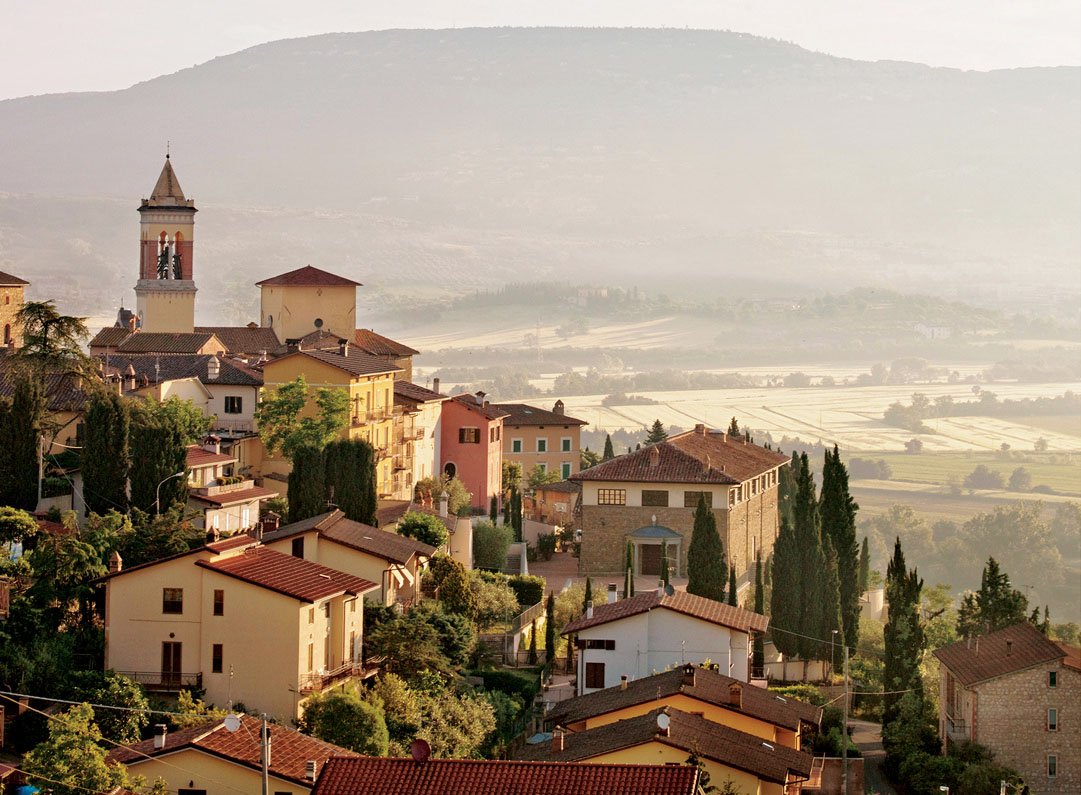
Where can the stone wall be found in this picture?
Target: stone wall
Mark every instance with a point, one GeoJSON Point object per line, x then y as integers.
{"type": "Point", "coordinates": [1011, 720]}
{"type": "Point", "coordinates": [11, 301]}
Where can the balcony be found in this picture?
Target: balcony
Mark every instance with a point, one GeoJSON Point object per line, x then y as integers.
{"type": "Point", "coordinates": [218, 488]}
{"type": "Point", "coordinates": [956, 729]}
{"type": "Point", "coordinates": [313, 683]}
{"type": "Point", "coordinates": [234, 426]}
{"type": "Point", "coordinates": [165, 681]}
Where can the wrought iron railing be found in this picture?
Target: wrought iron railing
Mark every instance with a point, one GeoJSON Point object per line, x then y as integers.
{"type": "Point", "coordinates": [165, 680]}
{"type": "Point", "coordinates": [312, 683]}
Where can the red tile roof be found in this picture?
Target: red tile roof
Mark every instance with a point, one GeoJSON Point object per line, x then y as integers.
{"type": "Point", "coordinates": [309, 276]}
{"type": "Point", "coordinates": [334, 526]}
{"type": "Point", "coordinates": [524, 414]}
{"type": "Point", "coordinates": [290, 750]}
{"type": "Point", "coordinates": [696, 682]}
{"type": "Point", "coordinates": [165, 342]}
{"type": "Point", "coordinates": [723, 744]}
{"type": "Point", "coordinates": [244, 339]}
{"type": "Point", "coordinates": [295, 577]}
{"type": "Point", "coordinates": [110, 337]}
{"type": "Point", "coordinates": [488, 410]}
{"type": "Point", "coordinates": [1003, 652]}
{"type": "Point", "coordinates": [416, 393]}
{"type": "Point", "coordinates": [365, 775]}
{"type": "Point", "coordinates": [681, 602]}
{"type": "Point", "coordinates": [153, 368]}
{"type": "Point", "coordinates": [240, 495]}
{"type": "Point", "coordinates": [378, 345]}
{"type": "Point", "coordinates": [1073, 655]}
{"type": "Point", "coordinates": [198, 457]}
{"type": "Point", "coordinates": [7, 280]}
{"type": "Point", "coordinates": [354, 362]}
{"type": "Point", "coordinates": [692, 457]}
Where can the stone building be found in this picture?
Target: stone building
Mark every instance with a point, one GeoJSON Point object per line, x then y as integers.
{"type": "Point", "coordinates": [659, 487]}
{"type": "Point", "coordinates": [11, 301]}
{"type": "Point", "coordinates": [1019, 694]}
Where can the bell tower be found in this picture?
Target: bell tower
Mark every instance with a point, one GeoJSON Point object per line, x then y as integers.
{"type": "Point", "coordinates": [165, 292]}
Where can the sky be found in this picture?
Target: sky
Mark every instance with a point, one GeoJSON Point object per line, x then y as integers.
{"type": "Point", "coordinates": [49, 46]}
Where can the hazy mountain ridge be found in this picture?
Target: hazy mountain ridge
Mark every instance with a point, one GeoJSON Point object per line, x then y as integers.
{"type": "Point", "coordinates": [464, 157]}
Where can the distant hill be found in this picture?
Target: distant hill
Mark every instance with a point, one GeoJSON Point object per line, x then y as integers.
{"type": "Point", "coordinates": [448, 160]}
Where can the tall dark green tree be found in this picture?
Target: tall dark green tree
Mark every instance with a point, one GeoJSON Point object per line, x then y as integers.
{"type": "Point", "coordinates": [838, 511]}
{"type": "Point", "coordinates": [809, 541]}
{"type": "Point", "coordinates": [733, 427]}
{"type": "Point", "coordinates": [550, 628]}
{"type": "Point", "coordinates": [733, 593]}
{"type": "Point", "coordinates": [706, 564]}
{"type": "Point", "coordinates": [349, 474]}
{"type": "Point", "coordinates": [307, 484]}
{"type": "Point", "coordinates": [665, 573]}
{"type": "Point", "coordinates": [785, 606]}
{"type": "Point", "coordinates": [903, 635]}
{"type": "Point", "coordinates": [493, 509]}
{"type": "Point", "coordinates": [656, 433]}
{"type": "Point", "coordinates": [533, 642]}
{"type": "Point", "coordinates": [21, 419]}
{"type": "Point", "coordinates": [786, 490]}
{"type": "Point", "coordinates": [995, 606]}
{"type": "Point", "coordinates": [829, 618]}
{"type": "Point", "coordinates": [609, 452]}
{"type": "Point", "coordinates": [587, 600]}
{"type": "Point", "coordinates": [758, 651]}
{"type": "Point", "coordinates": [158, 453]}
{"type": "Point", "coordinates": [628, 567]}
{"type": "Point", "coordinates": [865, 566]}
{"type": "Point", "coordinates": [516, 514]}
{"type": "Point", "coordinates": [106, 458]}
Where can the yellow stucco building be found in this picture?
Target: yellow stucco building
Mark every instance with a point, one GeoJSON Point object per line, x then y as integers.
{"type": "Point", "coordinates": [308, 299]}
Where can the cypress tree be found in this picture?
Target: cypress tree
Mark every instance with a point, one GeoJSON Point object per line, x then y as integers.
{"type": "Point", "coordinates": [158, 452]}
{"type": "Point", "coordinates": [628, 566]}
{"type": "Point", "coordinates": [106, 457]}
{"type": "Point", "coordinates": [349, 474]}
{"type": "Point", "coordinates": [838, 511]}
{"type": "Point", "coordinates": [493, 509]}
{"type": "Point", "coordinates": [20, 439]}
{"type": "Point", "coordinates": [550, 629]}
{"type": "Point", "coordinates": [785, 598]}
{"type": "Point", "coordinates": [733, 593]}
{"type": "Point", "coordinates": [533, 642]}
{"type": "Point", "coordinates": [706, 565]}
{"type": "Point", "coordinates": [516, 514]}
{"type": "Point", "coordinates": [733, 428]}
{"type": "Point", "coordinates": [809, 541]}
{"type": "Point", "coordinates": [786, 489]}
{"type": "Point", "coordinates": [507, 503]}
{"type": "Point", "coordinates": [588, 598]}
{"type": "Point", "coordinates": [903, 635]}
{"type": "Point", "coordinates": [830, 616]}
{"type": "Point", "coordinates": [664, 563]}
{"type": "Point", "coordinates": [758, 651]}
{"type": "Point", "coordinates": [307, 484]}
{"type": "Point", "coordinates": [609, 452]}
{"type": "Point", "coordinates": [865, 566]}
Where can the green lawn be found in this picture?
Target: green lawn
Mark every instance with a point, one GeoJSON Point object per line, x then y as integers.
{"type": "Point", "coordinates": [937, 468]}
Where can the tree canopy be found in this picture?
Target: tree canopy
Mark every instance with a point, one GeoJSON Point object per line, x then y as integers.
{"type": "Point", "coordinates": [707, 567]}
{"type": "Point", "coordinates": [282, 428]}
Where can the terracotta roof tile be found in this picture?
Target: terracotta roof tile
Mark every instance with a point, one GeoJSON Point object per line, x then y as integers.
{"type": "Point", "coordinates": [1073, 655]}
{"type": "Point", "coordinates": [692, 457]}
{"type": "Point", "coordinates": [415, 393]}
{"type": "Point", "coordinates": [681, 602]}
{"type": "Point", "coordinates": [356, 535]}
{"type": "Point", "coordinates": [295, 577]}
{"type": "Point", "coordinates": [240, 495]}
{"type": "Point", "coordinates": [524, 414]}
{"type": "Point", "coordinates": [488, 410]}
{"type": "Point", "coordinates": [244, 339]}
{"type": "Point", "coordinates": [198, 457]}
{"type": "Point", "coordinates": [110, 337]}
{"type": "Point", "coordinates": [364, 775]}
{"type": "Point", "coordinates": [154, 368]}
{"type": "Point", "coordinates": [693, 681]}
{"type": "Point", "coordinates": [999, 653]}
{"type": "Point", "coordinates": [165, 342]}
{"type": "Point", "coordinates": [728, 746]}
{"type": "Point", "coordinates": [378, 345]}
{"type": "Point", "coordinates": [7, 280]}
{"type": "Point", "coordinates": [63, 392]}
{"type": "Point", "coordinates": [566, 486]}
{"type": "Point", "coordinates": [291, 750]}
{"type": "Point", "coordinates": [308, 276]}
{"type": "Point", "coordinates": [354, 362]}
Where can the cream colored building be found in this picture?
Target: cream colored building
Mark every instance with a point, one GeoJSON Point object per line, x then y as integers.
{"type": "Point", "coordinates": [534, 436]}
{"type": "Point", "coordinates": [225, 503]}
{"type": "Point", "coordinates": [417, 432]}
{"type": "Point", "coordinates": [244, 622]}
{"type": "Point", "coordinates": [308, 299]}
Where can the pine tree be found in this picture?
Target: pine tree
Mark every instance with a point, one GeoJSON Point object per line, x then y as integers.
{"type": "Point", "coordinates": [656, 433]}
{"type": "Point", "coordinates": [785, 606]}
{"type": "Point", "coordinates": [307, 484]}
{"type": "Point", "coordinates": [838, 511]}
{"type": "Point", "coordinates": [493, 509]}
{"type": "Point", "coordinates": [21, 418]}
{"type": "Point", "coordinates": [609, 452]}
{"type": "Point", "coordinates": [733, 428]}
{"type": "Point", "coordinates": [903, 635]}
{"type": "Point", "coordinates": [865, 567]}
{"type": "Point", "coordinates": [995, 606]}
{"type": "Point", "coordinates": [733, 593]}
{"type": "Point", "coordinates": [106, 457]}
{"type": "Point", "coordinates": [664, 563]}
{"type": "Point", "coordinates": [706, 564]}
{"type": "Point", "coordinates": [758, 651]}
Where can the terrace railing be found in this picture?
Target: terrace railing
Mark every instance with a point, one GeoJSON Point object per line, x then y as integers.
{"type": "Point", "coordinates": [165, 681]}
{"type": "Point", "coordinates": [313, 683]}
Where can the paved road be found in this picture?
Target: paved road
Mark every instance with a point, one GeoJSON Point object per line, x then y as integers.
{"type": "Point", "coordinates": [868, 738]}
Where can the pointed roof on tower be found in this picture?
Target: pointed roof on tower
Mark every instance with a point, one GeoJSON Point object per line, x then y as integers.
{"type": "Point", "coordinates": [167, 191]}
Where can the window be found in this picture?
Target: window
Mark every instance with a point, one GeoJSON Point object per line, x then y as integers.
{"type": "Point", "coordinates": [311, 657]}
{"type": "Point", "coordinates": [234, 404]}
{"type": "Point", "coordinates": [1052, 765]}
{"type": "Point", "coordinates": [594, 674]}
{"type": "Point", "coordinates": [654, 499]}
{"type": "Point", "coordinates": [311, 615]}
{"type": "Point", "coordinates": [219, 602]}
{"type": "Point", "coordinates": [611, 496]}
{"type": "Point", "coordinates": [1052, 678]}
{"type": "Point", "coordinates": [605, 645]}
{"type": "Point", "coordinates": [691, 498]}
{"type": "Point", "coordinates": [491, 435]}
{"type": "Point", "coordinates": [352, 605]}
{"type": "Point", "coordinates": [516, 445]}
{"type": "Point", "coordinates": [352, 645]}
{"type": "Point", "coordinates": [469, 435]}
{"type": "Point", "coordinates": [1052, 719]}
{"type": "Point", "coordinates": [172, 600]}
{"type": "Point", "coordinates": [298, 547]}
{"type": "Point", "coordinates": [216, 655]}
{"type": "Point", "coordinates": [565, 444]}
{"type": "Point", "coordinates": [733, 495]}
{"type": "Point", "coordinates": [565, 470]}
{"type": "Point", "coordinates": [542, 445]}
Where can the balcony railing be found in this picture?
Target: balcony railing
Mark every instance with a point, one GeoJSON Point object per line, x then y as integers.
{"type": "Point", "coordinates": [313, 683]}
{"type": "Point", "coordinates": [956, 729]}
{"type": "Point", "coordinates": [165, 681]}
{"type": "Point", "coordinates": [226, 424]}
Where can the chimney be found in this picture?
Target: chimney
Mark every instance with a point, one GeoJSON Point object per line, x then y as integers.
{"type": "Point", "coordinates": [443, 504]}
{"type": "Point", "coordinates": [688, 675]}
{"type": "Point", "coordinates": [129, 377]}
{"type": "Point", "coordinates": [1009, 648]}
{"type": "Point", "coordinates": [480, 398]}
{"type": "Point", "coordinates": [213, 368]}
{"type": "Point", "coordinates": [131, 324]}
{"type": "Point", "coordinates": [700, 428]}
{"type": "Point", "coordinates": [623, 682]}
{"type": "Point", "coordinates": [589, 610]}
{"type": "Point", "coordinates": [435, 384]}
{"type": "Point", "coordinates": [160, 730]}
{"type": "Point", "coordinates": [116, 563]}
{"type": "Point", "coordinates": [557, 741]}
{"type": "Point", "coordinates": [612, 595]}
{"type": "Point", "coordinates": [343, 347]}
{"type": "Point", "coordinates": [558, 407]}
{"type": "Point", "coordinates": [735, 696]}
{"type": "Point", "coordinates": [654, 457]}
{"type": "Point", "coordinates": [311, 769]}
{"type": "Point", "coordinates": [724, 436]}
{"type": "Point", "coordinates": [212, 444]}
{"type": "Point", "coordinates": [270, 522]}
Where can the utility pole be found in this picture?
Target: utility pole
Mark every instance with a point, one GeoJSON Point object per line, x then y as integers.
{"type": "Point", "coordinates": [264, 747]}
{"type": "Point", "coordinates": [844, 733]}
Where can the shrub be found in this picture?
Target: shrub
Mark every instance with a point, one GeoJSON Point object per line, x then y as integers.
{"type": "Point", "coordinates": [511, 683]}
{"type": "Point", "coordinates": [802, 692]}
{"type": "Point", "coordinates": [494, 599]}
{"type": "Point", "coordinates": [425, 528]}
{"type": "Point", "coordinates": [546, 545]}
{"type": "Point", "coordinates": [490, 544]}
{"type": "Point", "coordinates": [528, 588]}
{"type": "Point", "coordinates": [983, 478]}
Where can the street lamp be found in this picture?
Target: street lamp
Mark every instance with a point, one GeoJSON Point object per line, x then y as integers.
{"type": "Point", "coordinates": [944, 788]}
{"type": "Point", "coordinates": [157, 492]}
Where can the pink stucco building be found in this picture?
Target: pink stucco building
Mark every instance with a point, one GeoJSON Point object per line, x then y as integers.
{"type": "Point", "coordinates": [471, 446]}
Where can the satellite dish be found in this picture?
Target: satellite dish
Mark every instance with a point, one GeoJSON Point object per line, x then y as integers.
{"type": "Point", "coordinates": [232, 722]}
{"type": "Point", "coordinates": [668, 589]}
{"type": "Point", "coordinates": [420, 750]}
{"type": "Point", "coordinates": [663, 722]}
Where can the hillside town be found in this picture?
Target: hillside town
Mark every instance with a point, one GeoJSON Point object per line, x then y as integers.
{"type": "Point", "coordinates": [275, 558]}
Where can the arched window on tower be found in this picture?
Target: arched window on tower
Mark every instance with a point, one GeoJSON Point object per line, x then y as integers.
{"type": "Point", "coordinates": [7, 333]}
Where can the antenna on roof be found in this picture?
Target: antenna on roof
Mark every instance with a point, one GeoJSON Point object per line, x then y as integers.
{"type": "Point", "coordinates": [167, 143]}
